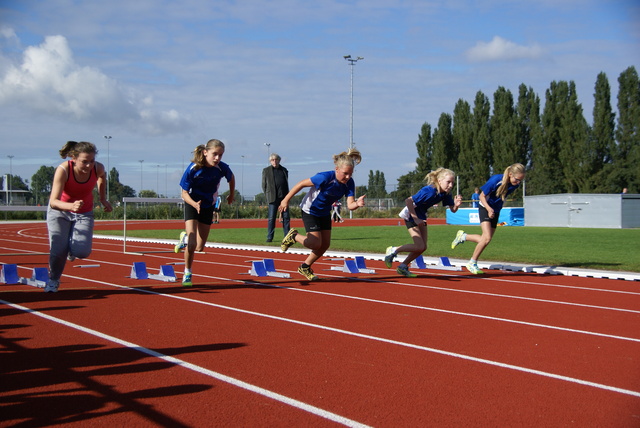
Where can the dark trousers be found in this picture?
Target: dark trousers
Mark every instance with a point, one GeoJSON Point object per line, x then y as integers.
{"type": "Point", "coordinates": [273, 215]}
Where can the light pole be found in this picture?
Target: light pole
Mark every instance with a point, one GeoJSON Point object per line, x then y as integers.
{"type": "Point", "coordinates": [158, 180]}
{"type": "Point", "coordinates": [10, 195]}
{"type": "Point", "coordinates": [108, 138]}
{"type": "Point", "coordinates": [352, 62]}
{"type": "Point", "coordinates": [268, 150]}
{"type": "Point", "coordinates": [140, 176]}
{"type": "Point", "coordinates": [242, 182]}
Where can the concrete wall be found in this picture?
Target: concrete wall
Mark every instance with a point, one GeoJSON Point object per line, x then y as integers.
{"type": "Point", "coordinates": [612, 211]}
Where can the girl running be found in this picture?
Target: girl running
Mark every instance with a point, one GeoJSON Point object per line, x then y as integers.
{"type": "Point", "coordinates": [199, 184]}
{"type": "Point", "coordinates": [438, 188]}
{"type": "Point", "coordinates": [492, 197]}
{"type": "Point", "coordinates": [326, 188]}
{"type": "Point", "coordinates": [70, 213]}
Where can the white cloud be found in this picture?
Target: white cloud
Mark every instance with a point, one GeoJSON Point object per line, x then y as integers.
{"type": "Point", "coordinates": [49, 81]}
{"type": "Point", "coordinates": [499, 49]}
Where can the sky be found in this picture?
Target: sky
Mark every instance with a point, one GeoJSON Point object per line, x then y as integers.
{"type": "Point", "coordinates": [160, 77]}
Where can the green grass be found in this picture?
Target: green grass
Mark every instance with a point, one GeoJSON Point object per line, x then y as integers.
{"type": "Point", "coordinates": [608, 249]}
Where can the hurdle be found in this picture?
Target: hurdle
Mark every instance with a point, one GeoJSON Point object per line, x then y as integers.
{"type": "Point", "coordinates": [358, 265]}
{"type": "Point", "coordinates": [139, 271]}
{"type": "Point", "coordinates": [443, 264]}
{"type": "Point", "coordinates": [266, 267]}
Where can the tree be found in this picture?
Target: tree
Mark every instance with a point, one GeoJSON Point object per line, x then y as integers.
{"type": "Point", "coordinates": [546, 176]}
{"type": "Point", "coordinates": [463, 136]}
{"type": "Point", "coordinates": [425, 150]}
{"type": "Point", "coordinates": [602, 141]}
{"type": "Point", "coordinates": [41, 183]}
{"type": "Point", "coordinates": [573, 134]}
{"type": "Point", "coordinates": [527, 121]}
{"type": "Point", "coordinates": [627, 156]}
{"type": "Point", "coordinates": [480, 169]}
{"type": "Point", "coordinates": [377, 185]}
{"type": "Point", "coordinates": [504, 131]}
{"type": "Point", "coordinates": [444, 149]}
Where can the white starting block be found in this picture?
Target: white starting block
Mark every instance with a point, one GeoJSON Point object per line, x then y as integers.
{"type": "Point", "coordinates": [266, 267]}
{"type": "Point", "coordinates": [354, 266]}
{"type": "Point", "coordinates": [443, 264]}
{"type": "Point", "coordinates": [39, 277]}
{"type": "Point", "coordinates": [166, 274]}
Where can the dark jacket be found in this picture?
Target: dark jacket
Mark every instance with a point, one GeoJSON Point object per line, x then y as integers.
{"type": "Point", "coordinates": [269, 183]}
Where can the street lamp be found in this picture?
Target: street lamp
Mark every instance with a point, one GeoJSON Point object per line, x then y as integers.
{"type": "Point", "coordinates": [158, 180]}
{"type": "Point", "coordinates": [140, 175]}
{"type": "Point", "coordinates": [352, 62]}
{"type": "Point", "coordinates": [268, 150]}
{"type": "Point", "coordinates": [10, 195]}
{"type": "Point", "coordinates": [242, 182]}
{"type": "Point", "coordinates": [108, 138]}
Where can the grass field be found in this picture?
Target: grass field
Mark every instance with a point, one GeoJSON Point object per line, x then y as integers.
{"type": "Point", "coordinates": [606, 249]}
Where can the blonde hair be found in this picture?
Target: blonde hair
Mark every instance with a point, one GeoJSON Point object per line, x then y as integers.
{"type": "Point", "coordinates": [198, 152]}
{"type": "Point", "coordinates": [351, 157]}
{"type": "Point", "coordinates": [516, 168]}
{"type": "Point", "coordinates": [434, 176]}
{"type": "Point", "coordinates": [73, 149]}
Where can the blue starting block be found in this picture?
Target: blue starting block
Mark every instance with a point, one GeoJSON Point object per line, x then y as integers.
{"type": "Point", "coordinates": [166, 274]}
{"type": "Point", "coordinates": [266, 267]}
{"type": "Point", "coordinates": [9, 274]}
{"type": "Point", "coordinates": [443, 264]}
{"type": "Point", "coordinates": [39, 277]}
{"type": "Point", "coordinates": [354, 266]}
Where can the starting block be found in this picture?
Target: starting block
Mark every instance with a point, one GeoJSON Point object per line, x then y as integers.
{"type": "Point", "coordinates": [354, 266]}
{"type": "Point", "coordinates": [39, 277]}
{"type": "Point", "coordinates": [266, 267]}
{"type": "Point", "coordinates": [443, 264]}
{"type": "Point", "coordinates": [9, 274]}
{"type": "Point", "coordinates": [166, 274]}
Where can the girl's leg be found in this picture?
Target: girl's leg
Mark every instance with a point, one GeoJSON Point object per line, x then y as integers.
{"type": "Point", "coordinates": [481, 240]}
{"type": "Point", "coordinates": [318, 243]}
{"type": "Point", "coordinates": [203, 235]}
{"type": "Point", "coordinates": [59, 226]}
{"type": "Point", "coordinates": [81, 240]}
{"type": "Point", "coordinates": [190, 227]}
{"type": "Point", "coordinates": [419, 236]}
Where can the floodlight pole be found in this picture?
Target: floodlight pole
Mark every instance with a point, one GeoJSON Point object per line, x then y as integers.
{"type": "Point", "coordinates": [108, 138]}
{"type": "Point", "coordinates": [352, 62]}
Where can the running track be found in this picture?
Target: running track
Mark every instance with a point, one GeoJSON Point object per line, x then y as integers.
{"type": "Point", "coordinates": [444, 349]}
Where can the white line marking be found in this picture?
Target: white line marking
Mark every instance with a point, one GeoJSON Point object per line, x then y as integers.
{"type": "Point", "coordinates": [219, 376]}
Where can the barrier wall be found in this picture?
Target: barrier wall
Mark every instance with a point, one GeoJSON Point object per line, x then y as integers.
{"type": "Point", "coordinates": [469, 216]}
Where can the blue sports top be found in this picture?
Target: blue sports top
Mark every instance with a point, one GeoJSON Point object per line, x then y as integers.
{"type": "Point", "coordinates": [427, 197]}
{"type": "Point", "coordinates": [202, 184]}
{"type": "Point", "coordinates": [325, 191]}
{"type": "Point", "coordinates": [491, 186]}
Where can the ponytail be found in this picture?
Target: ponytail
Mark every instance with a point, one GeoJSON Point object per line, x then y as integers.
{"type": "Point", "coordinates": [351, 157]}
{"type": "Point", "coordinates": [73, 149]}
{"type": "Point", "coordinates": [516, 168]}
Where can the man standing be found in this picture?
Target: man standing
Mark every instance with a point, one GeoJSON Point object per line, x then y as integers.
{"type": "Point", "coordinates": [275, 185]}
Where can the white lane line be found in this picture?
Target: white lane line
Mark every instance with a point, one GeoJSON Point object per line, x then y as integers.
{"type": "Point", "coordinates": [393, 342]}
{"type": "Point", "coordinates": [219, 376]}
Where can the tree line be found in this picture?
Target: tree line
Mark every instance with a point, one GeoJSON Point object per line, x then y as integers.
{"type": "Point", "coordinates": [562, 152]}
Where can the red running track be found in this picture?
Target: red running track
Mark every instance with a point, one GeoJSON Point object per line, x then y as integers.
{"type": "Point", "coordinates": [443, 349]}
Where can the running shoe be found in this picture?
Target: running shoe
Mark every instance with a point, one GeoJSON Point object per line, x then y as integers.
{"type": "Point", "coordinates": [289, 240]}
{"type": "Point", "coordinates": [307, 273]}
{"type": "Point", "coordinates": [404, 271]}
{"type": "Point", "coordinates": [186, 280]}
{"type": "Point", "coordinates": [388, 260]}
{"type": "Point", "coordinates": [474, 269]}
{"type": "Point", "coordinates": [460, 238]}
{"type": "Point", "coordinates": [70, 257]}
{"type": "Point", "coordinates": [181, 242]}
{"type": "Point", "coordinates": [52, 286]}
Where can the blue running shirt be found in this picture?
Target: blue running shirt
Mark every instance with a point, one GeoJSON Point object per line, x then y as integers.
{"type": "Point", "coordinates": [325, 191]}
{"type": "Point", "coordinates": [427, 197]}
{"type": "Point", "coordinates": [491, 186]}
{"type": "Point", "coordinates": [202, 184]}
